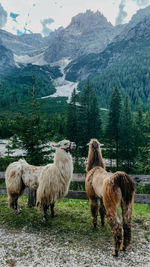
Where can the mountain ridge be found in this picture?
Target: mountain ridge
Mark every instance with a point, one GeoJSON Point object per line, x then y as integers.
{"type": "Point", "coordinates": [90, 44]}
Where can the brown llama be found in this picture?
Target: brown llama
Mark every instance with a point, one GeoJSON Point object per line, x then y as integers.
{"type": "Point", "coordinates": [112, 190]}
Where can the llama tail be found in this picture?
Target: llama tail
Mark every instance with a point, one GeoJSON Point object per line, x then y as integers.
{"type": "Point", "coordinates": [126, 185]}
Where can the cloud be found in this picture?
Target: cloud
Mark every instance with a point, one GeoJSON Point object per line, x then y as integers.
{"type": "Point", "coordinates": [45, 22]}
{"type": "Point", "coordinates": [3, 17]}
{"type": "Point", "coordinates": [122, 13]}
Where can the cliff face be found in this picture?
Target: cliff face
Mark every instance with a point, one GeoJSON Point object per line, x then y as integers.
{"type": "Point", "coordinates": [6, 59]}
{"type": "Point", "coordinates": [87, 33]}
{"type": "Point", "coordinates": [133, 39]}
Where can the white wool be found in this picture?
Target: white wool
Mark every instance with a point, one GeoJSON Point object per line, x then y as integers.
{"type": "Point", "coordinates": [55, 179]}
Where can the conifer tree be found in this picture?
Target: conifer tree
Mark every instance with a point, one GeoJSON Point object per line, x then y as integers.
{"type": "Point", "coordinates": [89, 116]}
{"type": "Point", "coordinates": [127, 136]}
{"type": "Point", "coordinates": [31, 132]}
{"type": "Point", "coordinates": [113, 127]}
{"type": "Point", "coordinates": [139, 138]}
{"type": "Point", "coordinates": [71, 118]}
{"type": "Point", "coordinates": [142, 164]}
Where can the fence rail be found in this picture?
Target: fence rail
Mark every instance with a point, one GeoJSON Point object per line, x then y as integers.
{"type": "Point", "coordinates": [80, 177]}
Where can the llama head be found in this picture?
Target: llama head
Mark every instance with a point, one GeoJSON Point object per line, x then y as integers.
{"type": "Point", "coordinates": [94, 155]}
{"type": "Point", "coordinates": [65, 145]}
{"type": "Point", "coordinates": [94, 144]}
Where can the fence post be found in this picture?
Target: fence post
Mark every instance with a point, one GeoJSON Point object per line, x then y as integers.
{"type": "Point", "coordinates": [31, 198]}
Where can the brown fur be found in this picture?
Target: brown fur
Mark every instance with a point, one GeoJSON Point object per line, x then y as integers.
{"type": "Point", "coordinates": [113, 190]}
{"type": "Point", "coordinates": [94, 156]}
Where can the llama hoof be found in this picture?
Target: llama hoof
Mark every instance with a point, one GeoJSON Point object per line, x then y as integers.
{"type": "Point", "coordinates": [17, 212]}
{"type": "Point", "coordinates": [115, 253]}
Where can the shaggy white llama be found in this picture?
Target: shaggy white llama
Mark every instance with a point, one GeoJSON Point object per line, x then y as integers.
{"type": "Point", "coordinates": [19, 175]}
{"type": "Point", "coordinates": [55, 178]}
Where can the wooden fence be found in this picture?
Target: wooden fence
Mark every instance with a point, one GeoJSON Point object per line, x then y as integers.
{"type": "Point", "coordinates": [80, 177]}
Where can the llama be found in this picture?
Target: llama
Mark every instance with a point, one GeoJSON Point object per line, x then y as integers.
{"type": "Point", "coordinates": [113, 190]}
{"type": "Point", "coordinates": [18, 176]}
{"type": "Point", "coordinates": [55, 178]}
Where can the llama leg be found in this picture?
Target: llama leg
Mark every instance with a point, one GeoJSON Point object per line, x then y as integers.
{"type": "Point", "coordinates": [102, 212]}
{"type": "Point", "coordinates": [117, 230]}
{"type": "Point", "coordinates": [16, 210]}
{"type": "Point", "coordinates": [45, 208]}
{"type": "Point", "coordinates": [127, 218]}
{"type": "Point", "coordinates": [52, 210]}
{"type": "Point", "coordinates": [12, 201]}
{"type": "Point", "coordinates": [94, 210]}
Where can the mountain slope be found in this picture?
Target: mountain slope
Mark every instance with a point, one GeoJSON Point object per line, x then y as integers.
{"type": "Point", "coordinates": [131, 76]}
{"type": "Point", "coordinates": [6, 59]}
{"type": "Point", "coordinates": [135, 41]}
{"type": "Point", "coordinates": [88, 32]}
{"type": "Point", "coordinates": [90, 47]}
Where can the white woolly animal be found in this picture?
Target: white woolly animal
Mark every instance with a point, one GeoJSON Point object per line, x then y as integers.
{"type": "Point", "coordinates": [55, 178]}
{"type": "Point", "coordinates": [19, 175]}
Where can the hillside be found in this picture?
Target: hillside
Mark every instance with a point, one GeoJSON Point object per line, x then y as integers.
{"type": "Point", "coordinates": [90, 48]}
{"type": "Point", "coordinates": [136, 40]}
{"type": "Point", "coordinates": [88, 32]}
{"type": "Point", "coordinates": [131, 76]}
{"type": "Point", "coordinates": [12, 91]}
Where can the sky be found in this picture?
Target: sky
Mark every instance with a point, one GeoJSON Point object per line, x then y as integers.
{"type": "Point", "coordinates": [43, 16]}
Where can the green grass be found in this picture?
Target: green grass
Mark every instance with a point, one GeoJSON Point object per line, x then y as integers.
{"type": "Point", "coordinates": [73, 219]}
{"type": "Point", "coordinates": [141, 210]}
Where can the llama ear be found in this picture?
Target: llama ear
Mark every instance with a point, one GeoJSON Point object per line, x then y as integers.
{"type": "Point", "coordinates": [55, 145]}
{"type": "Point", "coordinates": [101, 144]}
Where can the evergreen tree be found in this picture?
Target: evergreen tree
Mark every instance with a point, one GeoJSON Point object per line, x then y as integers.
{"type": "Point", "coordinates": [30, 129]}
{"type": "Point", "coordinates": [89, 121]}
{"type": "Point", "coordinates": [142, 164]}
{"type": "Point", "coordinates": [71, 119]}
{"type": "Point", "coordinates": [139, 138]}
{"type": "Point", "coordinates": [113, 127]}
{"type": "Point", "coordinates": [127, 136]}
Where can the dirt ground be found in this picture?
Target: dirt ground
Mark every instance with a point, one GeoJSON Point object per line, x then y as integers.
{"type": "Point", "coordinates": [23, 248]}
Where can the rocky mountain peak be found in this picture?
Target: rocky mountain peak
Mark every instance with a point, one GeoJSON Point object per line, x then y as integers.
{"type": "Point", "coordinates": [89, 20]}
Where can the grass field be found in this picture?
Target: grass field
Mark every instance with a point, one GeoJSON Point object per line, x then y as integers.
{"type": "Point", "coordinates": [68, 239]}
{"type": "Point", "coordinates": [73, 218]}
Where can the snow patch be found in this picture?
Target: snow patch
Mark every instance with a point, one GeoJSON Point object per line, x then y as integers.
{"type": "Point", "coordinates": [35, 60]}
{"type": "Point", "coordinates": [64, 88]}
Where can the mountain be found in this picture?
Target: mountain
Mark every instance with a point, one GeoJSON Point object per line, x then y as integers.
{"type": "Point", "coordinates": [87, 33]}
{"type": "Point", "coordinates": [6, 59]}
{"type": "Point", "coordinates": [24, 44]}
{"type": "Point", "coordinates": [136, 18]}
{"type": "Point", "coordinates": [90, 47]}
{"type": "Point", "coordinates": [133, 39]}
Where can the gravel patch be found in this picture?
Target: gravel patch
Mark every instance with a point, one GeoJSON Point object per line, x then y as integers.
{"type": "Point", "coordinates": [24, 248]}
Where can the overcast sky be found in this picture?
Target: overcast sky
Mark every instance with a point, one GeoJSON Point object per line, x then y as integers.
{"type": "Point", "coordinates": [40, 16]}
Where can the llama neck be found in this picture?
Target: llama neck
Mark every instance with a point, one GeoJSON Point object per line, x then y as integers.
{"type": "Point", "coordinates": [63, 161]}
{"type": "Point", "coordinates": [94, 159]}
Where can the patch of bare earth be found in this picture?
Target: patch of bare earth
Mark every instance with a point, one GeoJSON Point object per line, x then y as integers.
{"type": "Point", "coordinates": [22, 248]}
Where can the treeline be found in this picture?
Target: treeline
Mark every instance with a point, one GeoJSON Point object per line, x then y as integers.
{"type": "Point", "coordinates": [124, 133]}
{"type": "Point", "coordinates": [16, 87]}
